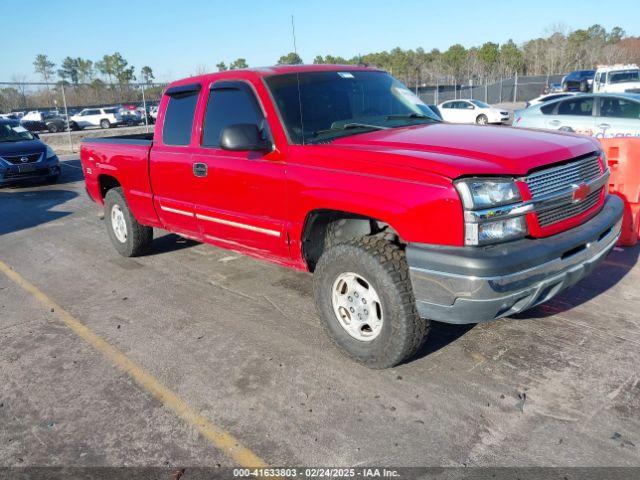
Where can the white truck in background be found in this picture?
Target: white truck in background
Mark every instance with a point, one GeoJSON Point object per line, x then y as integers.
{"type": "Point", "coordinates": [617, 79]}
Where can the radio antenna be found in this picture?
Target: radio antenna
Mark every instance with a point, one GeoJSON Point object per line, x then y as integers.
{"type": "Point", "coordinates": [293, 33]}
{"type": "Point", "coordinates": [295, 50]}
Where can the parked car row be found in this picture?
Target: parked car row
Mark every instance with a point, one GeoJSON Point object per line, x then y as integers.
{"type": "Point", "coordinates": [54, 121]}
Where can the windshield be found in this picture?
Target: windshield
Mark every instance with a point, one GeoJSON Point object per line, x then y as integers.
{"type": "Point", "coordinates": [14, 132]}
{"type": "Point", "coordinates": [480, 104]}
{"type": "Point", "coordinates": [624, 76]}
{"type": "Point", "coordinates": [335, 104]}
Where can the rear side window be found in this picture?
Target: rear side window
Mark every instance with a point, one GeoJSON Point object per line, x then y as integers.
{"type": "Point", "coordinates": [229, 105]}
{"type": "Point", "coordinates": [178, 119]}
{"type": "Point", "coordinates": [582, 106]}
{"type": "Point", "coordinates": [548, 108]}
{"type": "Point", "coordinates": [110, 110]}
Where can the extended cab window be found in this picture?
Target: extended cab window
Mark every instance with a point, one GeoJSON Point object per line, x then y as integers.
{"type": "Point", "coordinates": [178, 119]}
{"type": "Point", "coordinates": [229, 104]}
{"type": "Point", "coordinates": [582, 106]}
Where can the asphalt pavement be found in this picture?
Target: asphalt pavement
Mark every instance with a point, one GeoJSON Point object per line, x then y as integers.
{"type": "Point", "coordinates": [198, 356]}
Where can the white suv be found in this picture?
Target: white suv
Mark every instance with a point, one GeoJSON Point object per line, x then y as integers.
{"type": "Point", "coordinates": [617, 79]}
{"type": "Point", "coordinates": [97, 117]}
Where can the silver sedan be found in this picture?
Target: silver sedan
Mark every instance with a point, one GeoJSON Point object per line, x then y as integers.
{"type": "Point", "coordinates": [598, 115]}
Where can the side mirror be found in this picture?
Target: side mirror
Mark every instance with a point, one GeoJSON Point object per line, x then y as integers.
{"type": "Point", "coordinates": [243, 136]}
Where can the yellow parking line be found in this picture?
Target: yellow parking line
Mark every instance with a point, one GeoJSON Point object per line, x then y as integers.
{"type": "Point", "coordinates": [217, 436]}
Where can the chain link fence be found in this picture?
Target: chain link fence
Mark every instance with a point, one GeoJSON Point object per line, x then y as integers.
{"type": "Point", "coordinates": [507, 90]}
{"type": "Point", "coordinates": [21, 97]}
{"type": "Point", "coordinates": [29, 96]}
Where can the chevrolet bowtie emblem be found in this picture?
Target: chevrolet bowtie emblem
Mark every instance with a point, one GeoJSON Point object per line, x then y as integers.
{"type": "Point", "coordinates": [580, 192]}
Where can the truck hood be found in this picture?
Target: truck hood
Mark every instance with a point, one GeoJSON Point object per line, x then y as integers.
{"type": "Point", "coordinates": [457, 150]}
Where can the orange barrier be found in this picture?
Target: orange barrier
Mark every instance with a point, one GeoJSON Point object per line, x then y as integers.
{"type": "Point", "coordinates": [623, 156]}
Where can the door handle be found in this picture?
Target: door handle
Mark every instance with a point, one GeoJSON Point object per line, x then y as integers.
{"type": "Point", "coordinates": [200, 169]}
{"type": "Point", "coordinates": [554, 122]}
{"type": "Point", "coordinates": [604, 125]}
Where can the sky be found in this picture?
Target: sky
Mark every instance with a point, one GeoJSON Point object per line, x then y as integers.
{"type": "Point", "coordinates": [179, 38]}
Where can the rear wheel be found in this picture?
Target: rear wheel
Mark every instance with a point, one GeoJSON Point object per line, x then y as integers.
{"type": "Point", "coordinates": [130, 238]}
{"type": "Point", "coordinates": [105, 123]}
{"type": "Point", "coordinates": [365, 301]}
{"type": "Point", "coordinates": [482, 119]}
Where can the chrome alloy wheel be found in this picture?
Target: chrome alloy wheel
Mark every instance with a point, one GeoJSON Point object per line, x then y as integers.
{"type": "Point", "coordinates": [357, 306]}
{"type": "Point", "coordinates": [118, 223]}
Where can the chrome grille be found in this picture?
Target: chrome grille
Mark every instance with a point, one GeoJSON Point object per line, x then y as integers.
{"type": "Point", "coordinates": [557, 214]}
{"type": "Point", "coordinates": [556, 179]}
{"type": "Point", "coordinates": [17, 159]}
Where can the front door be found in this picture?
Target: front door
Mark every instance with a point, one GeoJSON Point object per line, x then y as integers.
{"type": "Point", "coordinates": [241, 199]}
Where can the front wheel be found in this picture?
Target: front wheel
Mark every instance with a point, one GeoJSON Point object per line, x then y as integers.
{"type": "Point", "coordinates": [365, 301]}
{"type": "Point", "coordinates": [130, 238]}
{"type": "Point", "coordinates": [482, 119]}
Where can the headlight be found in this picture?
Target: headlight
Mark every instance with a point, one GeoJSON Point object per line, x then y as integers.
{"type": "Point", "coordinates": [50, 152]}
{"type": "Point", "coordinates": [485, 201]}
{"type": "Point", "coordinates": [496, 231]}
{"type": "Point", "coordinates": [484, 193]}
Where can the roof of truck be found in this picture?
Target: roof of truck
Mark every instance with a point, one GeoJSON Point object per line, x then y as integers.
{"type": "Point", "coordinates": [269, 71]}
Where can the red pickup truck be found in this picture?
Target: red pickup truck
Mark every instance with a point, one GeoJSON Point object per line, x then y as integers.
{"type": "Point", "coordinates": [342, 171]}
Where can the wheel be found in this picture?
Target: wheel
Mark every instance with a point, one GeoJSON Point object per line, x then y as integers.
{"type": "Point", "coordinates": [482, 119]}
{"type": "Point", "coordinates": [53, 128]}
{"type": "Point", "coordinates": [130, 238]}
{"type": "Point", "coordinates": [105, 123]}
{"type": "Point", "coordinates": [365, 301]}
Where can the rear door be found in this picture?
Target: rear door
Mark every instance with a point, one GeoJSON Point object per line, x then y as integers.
{"type": "Point", "coordinates": [171, 165]}
{"type": "Point", "coordinates": [241, 194]}
{"type": "Point", "coordinates": [574, 115]}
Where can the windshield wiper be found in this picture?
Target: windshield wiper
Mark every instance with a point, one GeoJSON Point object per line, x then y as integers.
{"type": "Point", "coordinates": [411, 115]}
{"type": "Point", "coordinates": [350, 126]}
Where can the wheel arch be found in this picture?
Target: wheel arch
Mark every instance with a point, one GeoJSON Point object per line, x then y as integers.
{"type": "Point", "coordinates": [106, 183]}
{"type": "Point", "coordinates": [322, 225]}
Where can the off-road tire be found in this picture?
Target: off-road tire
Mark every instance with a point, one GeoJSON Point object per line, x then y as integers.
{"type": "Point", "coordinates": [384, 265]}
{"type": "Point", "coordinates": [139, 237]}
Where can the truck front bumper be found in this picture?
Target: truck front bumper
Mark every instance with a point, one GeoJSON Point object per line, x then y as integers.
{"type": "Point", "coordinates": [478, 284]}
